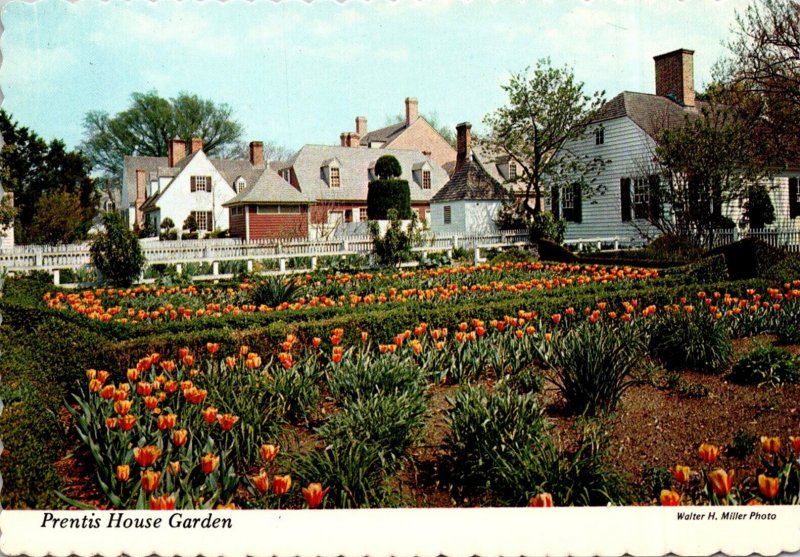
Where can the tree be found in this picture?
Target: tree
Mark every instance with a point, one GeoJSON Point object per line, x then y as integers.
{"type": "Point", "coordinates": [58, 219]}
{"type": "Point", "coordinates": [388, 193]}
{"type": "Point", "coordinates": [190, 223]}
{"type": "Point", "coordinates": [698, 169]}
{"type": "Point", "coordinates": [433, 119]}
{"type": "Point", "coordinates": [388, 167]}
{"type": "Point", "coordinates": [147, 125]}
{"type": "Point", "coordinates": [116, 252]}
{"type": "Point", "coordinates": [761, 75]}
{"type": "Point", "coordinates": [758, 209]}
{"type": "Point", "coordinates": [32, 167]}
{"type": "Point", "coordinates": [241, 150]}
{"type": "Point", "coordinates": [394, 247]}
{"type": "Point", "coordinates": [7, 212]}
{"type": "Point", "coordinates": [545, 111]}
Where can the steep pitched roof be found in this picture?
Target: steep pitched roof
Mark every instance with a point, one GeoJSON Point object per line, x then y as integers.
{"type": "Point", "coordinates": [652, 113]}
{"type": "Point", "coordinates": [269, 188]}
{"type": "Point", "coordinates": [354, 172]}
{"type": "Point", "coordinates": [472, 181]}
{"type": "Point", "coordinates": [134, 163]}
{"type": "Point", "coordinates": [384, 135]}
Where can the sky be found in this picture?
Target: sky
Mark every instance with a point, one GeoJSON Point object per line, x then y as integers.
{"type": "Point", "coordinates": [296, 72]}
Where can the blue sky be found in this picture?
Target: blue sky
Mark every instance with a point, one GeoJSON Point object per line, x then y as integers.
{"type": "Point", "coordinates": [297, 73]}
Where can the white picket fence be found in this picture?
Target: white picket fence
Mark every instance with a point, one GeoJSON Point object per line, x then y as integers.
{"type": "Point", "coordinates": [53, 259]}
{"type": "Point", "coordinates": [785, 237]}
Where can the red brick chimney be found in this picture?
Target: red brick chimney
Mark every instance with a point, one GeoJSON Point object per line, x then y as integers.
{"type": "Point", "coordinates": [343, 139]}
{"type": "Point", "coordinates": [141, 194]}
{"type": "Point", "coordinates": [257, 154]}
{"type": "Point", "coordinates": [176, 150]}
{"type": "Point", "coordinates": [675, 76]}
{"type": "Point", "coordinates": [463, 144]}
{"type": "Point", "coordinates": [350, 139]}
{"type": "Point", "coordinates": [412, 110]}
{"type": "Point", "coordinates": [361, 126]}
{"type": "Point", "coordinates": [196, 145]}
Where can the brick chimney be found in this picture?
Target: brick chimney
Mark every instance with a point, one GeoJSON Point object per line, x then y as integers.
{"type": "Point", "coordinates": [361, 126]}
{"type": "Point", "coordinates": [351, 139]}
{"type": "Point", "coordinates": [141, 194]}
{"type": "Point", "coordinates": [257, 154]}
{"type": "Point", "coordinates": [196, 145]}
{"type": "Point", "coordinates": [464, 144]}
{"type": "Point", "coordinates": [343, 139]}
{"type": "Point", "coordinates": [675, 76]}
{"type": "Point", "coordinates": [176, 150]}
{"type": "Point", "coordinates": [412, 110]}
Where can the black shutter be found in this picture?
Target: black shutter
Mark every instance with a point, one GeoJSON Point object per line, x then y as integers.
{"type": "Point", "coordinates": [556, 202]}
{"type": "Point", "coordinates": [625, 198]}
{"type": "Point", "coordinates": [210, 221]}
{"type": "Point", "coordinates": [794, 202]}
{"type": "Point", "coordinates": [193, 182]}
{"type": "Point", "coordinates": [577, 212]}
{"type": "Point", "coordinates": [655, 198]}
{"type": "Point", "coordinates": [208, 184]}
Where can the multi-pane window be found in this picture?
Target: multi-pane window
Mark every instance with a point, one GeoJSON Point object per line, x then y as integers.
{"type": "Point", "coordinates": [641, 198]}
{"type": "Point", "coordinates": [237, 211]}
{"type": "Point", "coordinates": [512, 170]}
{"type": "Point", "coordinates": [286, 174]}
{"type": "Point", "coordinates": [348, 215]}
{"type": "Point", "coordinates": [204, 220]}
{"type": "Point", "coordinates": [200, 183]}
{"type": "Point", "coordinates": [426, 179]}
{"type": "Point", "coordinates": [335, 182]}
{"type": "Point", "coordinates": [599, 136]}
{"type": "Point", "coordinates": [448, 214]}
{"type": "Point", "coordinates": [277, 209]}
{"type": "Point", "coordinates": [568, 199]}
{"type": "Point", "coordinates": [362, 214]}
{"type": "Point", "coordinates": [241, 183]}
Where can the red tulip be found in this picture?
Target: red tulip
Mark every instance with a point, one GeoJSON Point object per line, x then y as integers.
{"type": "Point", "coordinates": [281, 484]}
{"type": "Point", "coordinates": [721, 481]}
{"type": "Point", "coordinates": [314, 494]}
{"type": "Point", "coordinates": [768, 486]}
{"type": "Point", "coordinates": [209, 463]}
{"type": "Point", "coordinates": [670, 498]}
{"type": "Point", "coordinates": [541, 500]}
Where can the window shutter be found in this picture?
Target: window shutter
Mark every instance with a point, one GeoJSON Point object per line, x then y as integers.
{"type": "Point", "coordinates": [625, 198]}
{"type": "Point", "coordinates": [655, 198]}
{"type": "Point", "coordinates": [577, 211]}
{"type": "Point", "coordinates": [794, 202]}
{"type": "Point", "coordinates": [556, 205]}
{"type": "Point", "coordinates": [193, 182]}
{"type": "Point", "coordinates": [208, 184]}
{"type": "Point", "coordinates": [210, 221]}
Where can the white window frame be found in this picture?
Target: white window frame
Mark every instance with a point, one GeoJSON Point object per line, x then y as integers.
{"type": "Point", "coordinates": [599, 136]}
{"type": "Point", "coordinates": [362, 214]}
{"type": "Point", "coordinates": [426, 179]}
{"type": "Point", "coordinates": [237, 211]}
{"type": "Point", "coordinates": [200, 183]}
{"type": "Point", "coordinates": [335, 177]}
{"type": "Point", "coordinates": [567, 198]}
{"type": "Point", "coordinates": [240, 185]}
{"type": "Point", "coordinates": [278, 209]}
{"type": "Point", "coordinates": [640, 197]}
{"type": "Point", "coordinates": [203, 221]}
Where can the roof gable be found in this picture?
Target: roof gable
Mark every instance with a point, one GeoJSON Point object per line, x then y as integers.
{"type": "Point", "coordinates": [652, 113]}
{"type": "Point", "coordinates": [473, 182]}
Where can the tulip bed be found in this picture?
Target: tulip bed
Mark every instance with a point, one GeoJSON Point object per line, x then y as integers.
{"type": "Point", "coordinates": [206, 427]}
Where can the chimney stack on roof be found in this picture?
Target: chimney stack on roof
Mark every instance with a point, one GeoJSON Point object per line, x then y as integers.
{"type": "Point", "coordinates": [257, 154]}
{"type": "Point", "coordinates": [361, 126]}
{"type": "Point", "coordinates": [176, 151]}
{"type": "Point", "coordinates": [412, 110]}
{"type": "Point", "coordinates": [196, 145]}
{"type": "Point", "coordinates": [675, 76]}
{"type": "Point", "coordinates": [463, 144]}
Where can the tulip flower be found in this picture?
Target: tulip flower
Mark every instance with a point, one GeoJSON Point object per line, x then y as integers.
{"type": "Point", "coordinates": [123, 472]}
{"type": "Point", "coordinates": [150, 402]}
{"type": "Point", "coordinates": [364, 336]}
{"type": "Point", "coordinates": [174, 467]}
{"type": "Point", "coordinates": [144, 389]}
{"type": "Point", "coordinates": [127, 422]}
{"type": "Point", "coordinates": [708, 453]}
{"type": "Point", "coordinates": [681, 474]}
{"type": "Point", "coordinates": [210, 414]}
{"type": "Point", "coordinates": [194, 396]}
{"type": "Point", "coordinates": [541, 500]}
{"type": "Point", "coordinates": [269, 452]}
{"type": "Point", "coordinates": [669, 498]}
{"type": "Point", "coordinates": [209, 463]}
{"type": "Point", "coordinates": [768, 486]}
{"type": "Point", "coordinates": [281, 484]}
{"type": "Point", "coordinates": [230, 362]}
{"type": "Point", "coordinates": [102, 375]}
{"type": "Point", "coordinates": [150, 480]}
{"type": "Point", "coordinates": [771, 445]}
{"type": "Point", "coordinates": [91, 374]}
{"type": "Point", "coordinates": [227, 421]}
{"type": "Point", "coordinates": [212, 347]}
{"type": "Point", "coordinates": [261, 481]}
{"type": "Point", "coordinates": [795, 444]}
{"type": "Point", "coordinates": [179, 437]}
{"type": "Point", "coordinates": [120, 394]}
{"type": "Point", "coordinates": [183, 352]}
{"type": "Point", "coordinates": [314, 494]}
{"type": "Point", "coordinates": [147, 455]}
{"type": "Point", "coordinates": [111, 423]}
{"type": "Point", "coordinates": [122, 407]}
{"type": "Point", "coordinates": [167, 421]}
{"type": "Point", "coordinates": [162, 503]}
{"type": "Point", "coordinates": [95, 385]}
{"type": "Point", "coordinates": [721, 481]}
{"type": "Point", "coordinates": [316, 341]}
{"type": "Point", "coordinates": [107, 392]}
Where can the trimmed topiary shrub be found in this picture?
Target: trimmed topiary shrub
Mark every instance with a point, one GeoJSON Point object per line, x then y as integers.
{"type": "Point", "coordinates": [748, 258]}
{"type": "Point", "coordinates": [551, 251]}
{"type": "Point", "coordinates": [388, 167]}
{"type": "Point", "coordinates": [385, 195]}
{"type": "Point", "coordinates": [767, 365]}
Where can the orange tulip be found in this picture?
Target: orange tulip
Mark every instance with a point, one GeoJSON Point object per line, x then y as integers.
{"type": "Point", "coordinates": [167, 421]}
{"type": "Point", "coordinates": [253, 361]}
{"type": "Point", "coordinates": [541, 500]}
{"type": "Point", "coordinates": [261, 481]}
{"type": "Point", "coordinates": [111, 423]}
{"type": "Point", "coordinates": [754, 502]}
{"type": "Point", "coordinates": [127, 422]}
{"type": "Point", "coordinates": [209, 463]}
{"type": "Point", "coordinates": [122, 407]}
{"type": "Point", "coordinates": [150, 480]}
{"type": "Point", "coordinates": [795, 444]}
{"type": "Point", "coordinates": [194, 395]}
{"type": "Point", "coordinates": [162, 503]}
{"type": "Point", "coordinates": [147, 455]}
{"type": "Point", "coordinates": [102, 375]}
{"type": "Point", "coordinates": [179, 437]}
{"type": "Point", "coordinates": [337, 357]}
{"type": "Point", "coordinates": [230, 362]}
{"type": "Point", "coordinates": [107, 392]}
{"type": "Point", "coordinates": [227, 421]}
{"type": "Point", "coordinates": [771, 445]}
{"type": "Point", "coordinates": [123, 472]}
{"type": "Point", "coordinates": [556, 317]}
{"type": "Point", "coordinates": [150, 402]}
{"type": "Point", "coordinates": [316, 341]}
{"type": "Point", "coordinates": [269, 452]}
{"type": "Point", "coordinates": [681, 474]}
{"type": "Point", "coordinates": [314, 494]}
{"type": "Point", "coordinates": [95, 385]}
{"type": "Point", "coordinates": [121, 393]}
{"type": "Point", "coordinates": [768, 486]}
{"type": "Point", "coordinates": [721, 481]}
{"type": "Point", "coordinates": [212, 347]}
{"type": "Point", "coordinates": [708, 453]}
{"type": "Point", "coordinates": [281, 484]}
{"type": "Point", "coordinates": [669, 498]}
{"type": "Point", "coordinates": [183, 352]}
{"type": "Point", "coordinates": [210, 415]}
{"type": "Point", "coordinates": [144, 389]}
{"type": "Point", "coordinates": [91, 374]}
{"type": "Point", "coordinates": [174, 467]}
{"type": "Point", "coordinates": [170, 386]}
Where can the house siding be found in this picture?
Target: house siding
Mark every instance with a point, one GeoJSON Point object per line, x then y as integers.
{"type": "Point", "coordinates": [278, 225]}
{"type": "Point", "coordinates": [458, 219]}
{"type": "Point", "coordinates": [237, 226]}
{"type": "Point", "coordinates": [778, 187]}
{"type": "Point", "coordinates": [421, 136]}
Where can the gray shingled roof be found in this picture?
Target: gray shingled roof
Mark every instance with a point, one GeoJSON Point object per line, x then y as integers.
{"type": "Point", "coordinates": [354, 172]}
{"type": "Point", "coordinates": [490, 159]}
{"type": "Point", "coordinates": [472, 181]}
{"type": "Point", "coordinates": [385, 135]}
{"type": "Point", "coordinates": [134, 163]}
{"type": "Point", "coordinates": [650, 112]}
{"type": "Point", "coordinates": [269, 188]}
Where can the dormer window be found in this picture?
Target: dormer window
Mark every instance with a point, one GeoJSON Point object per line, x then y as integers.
{"type": "Point", "coordinates": [240, 184]}
{"type": "Point", "coordinates": [599, 136]}
{"type": "Point", "coordinates": [330, 173]}
{"type": "Point", "coordinates": [422, 174]}
{"type": "Point", "coordinates": [286, 174]}
{"type": "Point", "coordinates": [426, 179]}
{"type": "Point", "coordinates": [512, 170]}
{"type": "Point", "coordinates": [334, 179]}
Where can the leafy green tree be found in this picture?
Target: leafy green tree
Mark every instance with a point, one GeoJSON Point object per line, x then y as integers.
{"type": "Point", "coordinates": [546, 109]}
{"type": "Point", "coordinates": [395, 245]}
{"type": "Point", "coordinates": [190, 223]}
{"type": "Point", "coordinates": [116, 252]}
{"type": "Point", "coordinates": [58, 219]}
{"type": "Point", "coordinates": [758, 209]}
{"type": "Point", "coordinates": [32, 167]}
{"type": "Point", "coordinates": [7, 212]}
